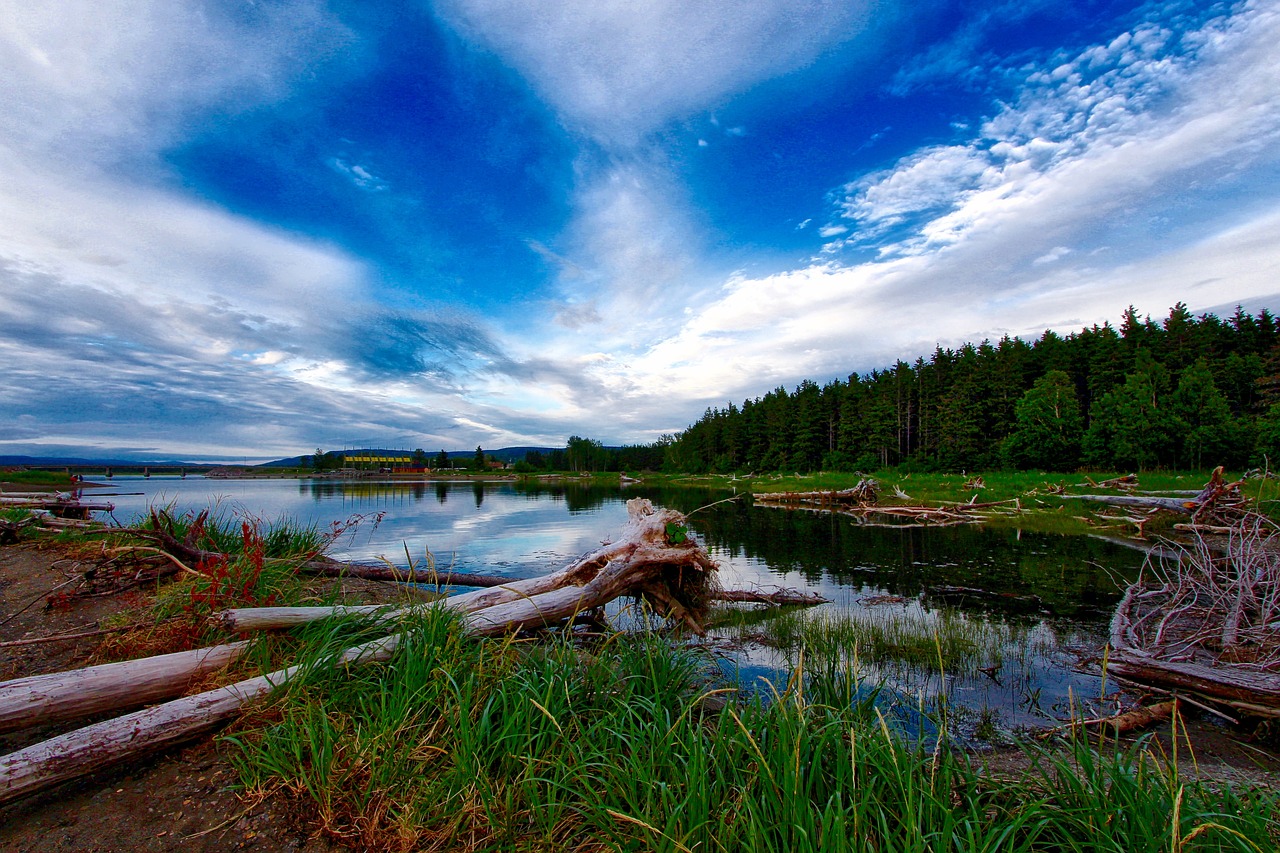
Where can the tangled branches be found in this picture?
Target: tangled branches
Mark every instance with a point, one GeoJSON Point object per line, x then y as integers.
{"type": "Point", "coordinates": [1213, 606]}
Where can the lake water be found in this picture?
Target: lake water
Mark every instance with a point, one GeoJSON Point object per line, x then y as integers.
{"type": "Point", "coordinates": [1048, 597]}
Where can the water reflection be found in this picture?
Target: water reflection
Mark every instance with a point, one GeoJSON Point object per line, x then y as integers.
{"type": "Point", "coordinates": [1049, 593]}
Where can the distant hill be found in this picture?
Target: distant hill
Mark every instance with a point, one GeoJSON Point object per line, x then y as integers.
{"type": "Point", "coordinates": [51, 461]}
{"type": "Point", "coordinates": [505, 454]}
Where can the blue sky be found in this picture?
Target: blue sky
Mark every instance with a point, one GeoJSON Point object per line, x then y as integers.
{"type": "Point", "coordinates": [244, 229]}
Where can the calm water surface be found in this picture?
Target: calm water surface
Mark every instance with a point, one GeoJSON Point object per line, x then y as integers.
{"type": "Point", "coordinates": [1051, 594]}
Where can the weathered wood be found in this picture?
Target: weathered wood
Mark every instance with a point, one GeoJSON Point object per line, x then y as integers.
{"type": "Point", "coordinates": [59, 696]}
{"type": "Point", "coordinates": [1183, 505]}
{"type": "Point", "coordinates": [778, 596]}
{"type": "Point", "coordinates": [1129, 721]}
{"type": "Point", "coordinates": [9, 530]}
{"type": "Point", "coordinates": [114, 741]}
{"type": "Point", "coordinates": [645, 558]}
{"type": "Point", "coordinates": [1257, 692]}
{"type": "Point", "coordinates": [775, 595]}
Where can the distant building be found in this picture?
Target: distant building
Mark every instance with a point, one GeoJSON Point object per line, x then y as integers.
{"type": "Point", "coordinates": [369, 460]}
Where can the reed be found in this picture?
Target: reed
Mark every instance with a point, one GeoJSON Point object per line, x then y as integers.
{"type": "Point", "coordinates": [625, 743]}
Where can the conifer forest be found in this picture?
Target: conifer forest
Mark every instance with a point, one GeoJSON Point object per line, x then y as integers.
{"type": "Point", "coordinates": [1186, 392]}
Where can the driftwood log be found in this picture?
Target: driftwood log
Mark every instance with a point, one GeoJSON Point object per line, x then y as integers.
{"type": "Point", "coordinates": [187, 553]}
{"type": "Point", "coordinates": [93, 690]}
{"type": "Point", "coordinates": [1206, 624]}
{"type": "Point", "coordinates": [654, 559]}
{"type": "Point", "coordinates": [337, 568]}
{"type": "Point", "coordinates": [111, 742]}
{"type": "Point", "coordinates": [1217, 500]}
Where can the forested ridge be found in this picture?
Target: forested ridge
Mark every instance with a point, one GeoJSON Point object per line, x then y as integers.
{"type": "Point", "coordinates": [1187, 392]}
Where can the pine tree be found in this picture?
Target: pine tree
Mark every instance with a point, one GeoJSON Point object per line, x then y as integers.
{"type": "Point", "coordinates": [1202, 418]}
{"type": "Point", "coordinates": [1129, 427]}
{"type": "Point", "coordinates": [1049, 426]}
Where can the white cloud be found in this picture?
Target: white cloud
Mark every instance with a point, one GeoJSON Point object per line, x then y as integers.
{"type": "Point", "coordinates": [1112, 147]}
{"type": "Point", "coordinates": [358, 175]}
{"type": "Point", "coordinates": [618, 69]}
{"type": "Point", "coordinates": [87, 79]}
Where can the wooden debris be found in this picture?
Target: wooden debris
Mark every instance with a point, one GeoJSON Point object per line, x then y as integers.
{"type": "Point", "coordinates": [1125, 483]}
{"type": "Point", "coordinates": [1133, 720]}
{"type": "Point", "coordinates": [9, 530]}
{"type": "Point", "coordinates": [1205, 623]}
{"type": "Point", "coordinates": [61, 504]}
{"type": "Point", "coordinates": [864, 493]}
{"type": "Point", "coordinates": [775, 595]}
{"type": "Point", "coordinates": [337, 568]}
{"type": "Point", "coordinates": [1217, 504]}
{"type": "Point", "coordinates": [654, 559]}
{"type": "Point", "coordinates": [41, 699]}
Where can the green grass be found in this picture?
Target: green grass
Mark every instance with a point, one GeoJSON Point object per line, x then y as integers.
{"type": "Point", "coordinates": [36, 478]}
{"type": "Point", "coordinates": [947, 641]}
{"type": "Point", "coordinates": [500, 745]}
{"type": "Point", "coordinates": [1042, 512]}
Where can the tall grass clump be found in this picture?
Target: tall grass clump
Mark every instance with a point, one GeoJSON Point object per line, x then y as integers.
{"type": "Point", "coordinates": [625, 744]}
{"type": "Point", "coordinates": [255, 563]}
{"type": "Point", "coordinates": [947, 640]}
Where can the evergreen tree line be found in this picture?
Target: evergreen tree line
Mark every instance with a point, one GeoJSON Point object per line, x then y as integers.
{"type": "Point", "coordinates": [588, 456]}
{"type": "Point", "coordinates": [1186, 393]}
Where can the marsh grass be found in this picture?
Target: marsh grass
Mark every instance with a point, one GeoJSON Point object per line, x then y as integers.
{"type": "Point", "coordinates": [624, 744]}
{"type": "Point", "coordinates": [947, 640]}
{"type": "Point", "coordinates": [36, 478]}
{"type": "Point", "coordinates": [1040, 509]}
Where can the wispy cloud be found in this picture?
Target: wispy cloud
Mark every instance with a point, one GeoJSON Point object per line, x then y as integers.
{"type": "Point", "coordinates": [616, 69]}
{"type": "Point", "coordinates": [358, 175]}
{"type": "Point", "coordinates": [1101, 143]}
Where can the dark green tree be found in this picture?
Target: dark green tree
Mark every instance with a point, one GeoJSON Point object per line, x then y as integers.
{"type": "Point", "coordinates": [477, 461]}
{"type": "Point", "coordinates": [1049, 426]}
{"type": "Point", "coordinates": [1130, 427]}
{"type": "Point", "coordinates": [442, 460]}
{"type": "Point", "coordinates": [1202, 419]}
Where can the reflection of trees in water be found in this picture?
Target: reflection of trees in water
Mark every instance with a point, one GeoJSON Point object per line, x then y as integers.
{"type": "Point", "coordinates": [1070, 575]}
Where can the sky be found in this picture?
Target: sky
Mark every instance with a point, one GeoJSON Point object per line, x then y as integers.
{"type": "Point", "coordinates": [244, 230]}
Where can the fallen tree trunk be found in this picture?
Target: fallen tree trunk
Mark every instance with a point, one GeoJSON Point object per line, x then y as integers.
{"type": "Point", "coordinates": [654, 559]}
{"type": "Point", "coordinates": [337, 568]}
{"type": "Point", "coordinates": [60, 696]}
{"type": "Point", "coordinates": [1256, 693]}
{"type": "Point", "coordinates": [1183, 505]}
{"type": "Point", "coordinates": [114, 741]}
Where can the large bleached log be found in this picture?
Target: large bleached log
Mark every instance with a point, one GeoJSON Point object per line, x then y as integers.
{"type": "Point", "coordinates": [654, 557]}
{"type": "Point", "coordinates": [60, 696]}
{"type": "Point", "coordinates": [114, 741]}
{"type": "Point", "coordinates": [1184, 505]}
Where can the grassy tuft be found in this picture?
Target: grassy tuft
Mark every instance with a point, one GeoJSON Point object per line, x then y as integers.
{"type": "Point", "coordinates": [623, 745]}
